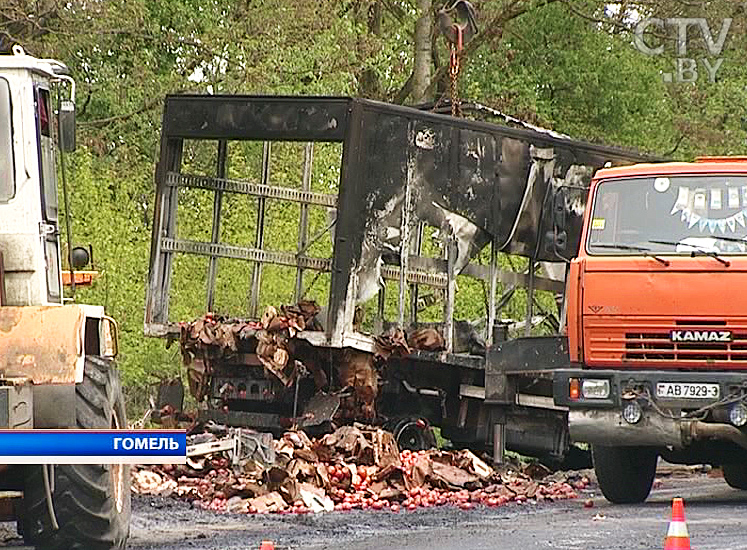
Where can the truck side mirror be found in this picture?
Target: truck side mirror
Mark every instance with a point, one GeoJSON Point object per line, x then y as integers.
{"type": "Point", "coordinates": [66, 126]}
{"type": "Point", "coordinates": [560, 209]}
{"type": "Point", "coordinates": [557, 239]}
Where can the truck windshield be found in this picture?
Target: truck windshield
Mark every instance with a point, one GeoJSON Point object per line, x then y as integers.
{"type": "Point", "coordinates": [670, 215]}
{"type": "Point", "coordinates": [7, 169]}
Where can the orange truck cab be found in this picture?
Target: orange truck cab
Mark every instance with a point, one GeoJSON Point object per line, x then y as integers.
{"type": "Point", "coordinates": [657, 323]}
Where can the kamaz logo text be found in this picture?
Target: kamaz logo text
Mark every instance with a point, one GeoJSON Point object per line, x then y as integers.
{"type": "Point", "coordinates": [700, 336]}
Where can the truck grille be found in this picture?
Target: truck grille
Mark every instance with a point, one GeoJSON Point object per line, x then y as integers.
{"type": "Point", "coordinates": [632, 342]}
{"type": "Point", "coordinates": [657, 346]}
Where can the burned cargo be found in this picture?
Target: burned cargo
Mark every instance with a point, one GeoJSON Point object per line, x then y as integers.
{"type": "Point", "coordinates": [423, 206]}
{"type": "Point", "coordinates": [354, 467]}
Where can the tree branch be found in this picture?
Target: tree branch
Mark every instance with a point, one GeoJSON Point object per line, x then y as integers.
{"type": "Point", "coordinates": [147, 106]}
{"type": "Point", "coordinates": [405, 91]}
{"type": "Point", "coordinates": [493, 30]}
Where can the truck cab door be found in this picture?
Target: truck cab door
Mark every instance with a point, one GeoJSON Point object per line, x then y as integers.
{"type": "Point", "coordinates": [48, 228]}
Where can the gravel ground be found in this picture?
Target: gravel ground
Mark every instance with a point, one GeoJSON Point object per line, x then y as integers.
{"type": "Point", "coordinates": [715, 515]}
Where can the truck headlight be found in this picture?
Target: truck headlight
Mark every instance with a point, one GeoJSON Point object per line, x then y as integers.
{"type": "Point", "coordinates": [592, 388]}
{"type": "Point", "coordinates": [632, 413]}
{"type": "Point", "coordinates": [738, 415]}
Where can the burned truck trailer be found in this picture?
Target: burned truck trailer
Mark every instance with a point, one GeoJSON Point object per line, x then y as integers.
{"type": "Point", "coordinates": [412, 205]}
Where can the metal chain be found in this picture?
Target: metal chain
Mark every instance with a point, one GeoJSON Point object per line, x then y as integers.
{"type": "Point", "coordinates": [456, 108]}
{"type": "Point", "coordinates": [454, 68]}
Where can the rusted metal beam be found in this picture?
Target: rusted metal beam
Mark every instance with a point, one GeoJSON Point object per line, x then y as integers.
{"type": "Point", "coordinates": [451, 254]}
{"type": "Point", "coordinates": [493, 274]}
{"type": "Point", "coordinates": [416, 249]}
{"type": "Point", "coordinates": [303, 221]}
{"type": "Point", "coordinates": [259, 239]}
{"type": "Point", "coordinates": [436, 280]}
{"type": "Point", "coordinates": [174, 179]}
{"type": "Point", "coordinates": [245, 253]}
{"type": "Point", "coordinates": [164, 224]}
{"type": "Point", "coordinates": [530, 298]}
{"type": "Point", "coordinates": [215, 234]}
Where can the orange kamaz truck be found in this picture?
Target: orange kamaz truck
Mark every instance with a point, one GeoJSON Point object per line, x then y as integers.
{"type": "Point", "coordinates": [657, 323]}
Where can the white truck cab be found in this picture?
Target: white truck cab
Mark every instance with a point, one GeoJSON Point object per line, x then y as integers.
{"type": "Point", "coordinates": [29, 213]}
{"type": "Point", "coordinates": [56, 368]}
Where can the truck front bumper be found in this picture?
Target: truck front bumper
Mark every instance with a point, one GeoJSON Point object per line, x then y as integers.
{"type": "Point", "coordinates": [661, 422]}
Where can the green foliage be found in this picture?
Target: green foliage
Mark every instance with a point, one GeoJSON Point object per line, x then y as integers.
{"type": "Point", "coordinates": [111, 214]}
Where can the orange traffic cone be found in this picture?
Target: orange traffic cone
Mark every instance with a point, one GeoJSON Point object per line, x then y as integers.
{"type": "Point", "coordinates": [677, 537]}
{"type": "Point", "coordinates": [269, 545]}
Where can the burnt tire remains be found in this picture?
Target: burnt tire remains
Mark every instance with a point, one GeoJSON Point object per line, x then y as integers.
{"type": "Point", "coordinates": [625, 474]}
{"type": "Point", "coordinates": [91, 502]}
{"type": "Point", "coordinates": [413, 434]}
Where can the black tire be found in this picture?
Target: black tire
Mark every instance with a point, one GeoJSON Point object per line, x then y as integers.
{"type": "Point", "coordinates": [735, 474]}
{"type": "Point", "coordinates": [625, 474]}
{"type": "Point", "coordinates": [91, 502]}
{"type": "Point", "coordinates": [411, 434]}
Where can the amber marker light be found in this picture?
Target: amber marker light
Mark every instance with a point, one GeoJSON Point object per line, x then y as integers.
{"type": "Point", "coordinates": [574, 389]}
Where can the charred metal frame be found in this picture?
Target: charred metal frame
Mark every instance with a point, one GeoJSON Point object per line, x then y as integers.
{"type": "Point", "coordinates": [361, 126]}
{"type": "Point", "coordinates": [401, 168]}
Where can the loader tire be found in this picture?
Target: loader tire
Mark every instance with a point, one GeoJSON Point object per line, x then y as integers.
{"type": "Point", "coordinates": [625, 474]}
{"type": "Point", "coordinates": [735, 475]}
{"type": "Point", "coordinates": [91, 502]}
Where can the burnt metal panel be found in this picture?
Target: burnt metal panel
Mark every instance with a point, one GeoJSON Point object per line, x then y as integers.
{"type": "Point", "coordinates": [520, 356]}
{"type": "Point", "coordinates": [584, 152]}
{"type": "Point", "coordinates": [351, 216]}
{"type": "Point", "coordinates": [529, 354]}
{"type": "Point", "coordinates": [404, 167]}
{"type": "Point", "coordinates": [401, 168]}
{"type": "Point", "coordinates": [255, 117]}
{"type": "Point", "coordinates": [439, 358]}
{"type": "Point", "coordinates": [256, 420]}
{"type": "Point", "coordinates": [164, 225]}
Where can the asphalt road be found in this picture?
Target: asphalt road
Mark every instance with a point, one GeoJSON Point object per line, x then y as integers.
{"type": "Point", "coordinates": [716, 518]}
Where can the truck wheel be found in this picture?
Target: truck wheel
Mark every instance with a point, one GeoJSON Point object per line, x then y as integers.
{"type": "Point", "coordinates": [735, 474]}
{"type": "Point", "coordinates": [413, 434]}
{"type": "Point", "coordinates": [625, 474]}
{"type": "Point", "coordinates": [91, 502]}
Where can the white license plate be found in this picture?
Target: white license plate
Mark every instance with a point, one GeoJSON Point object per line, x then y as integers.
{"type": "Point", "coordinates": [677, 390]}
